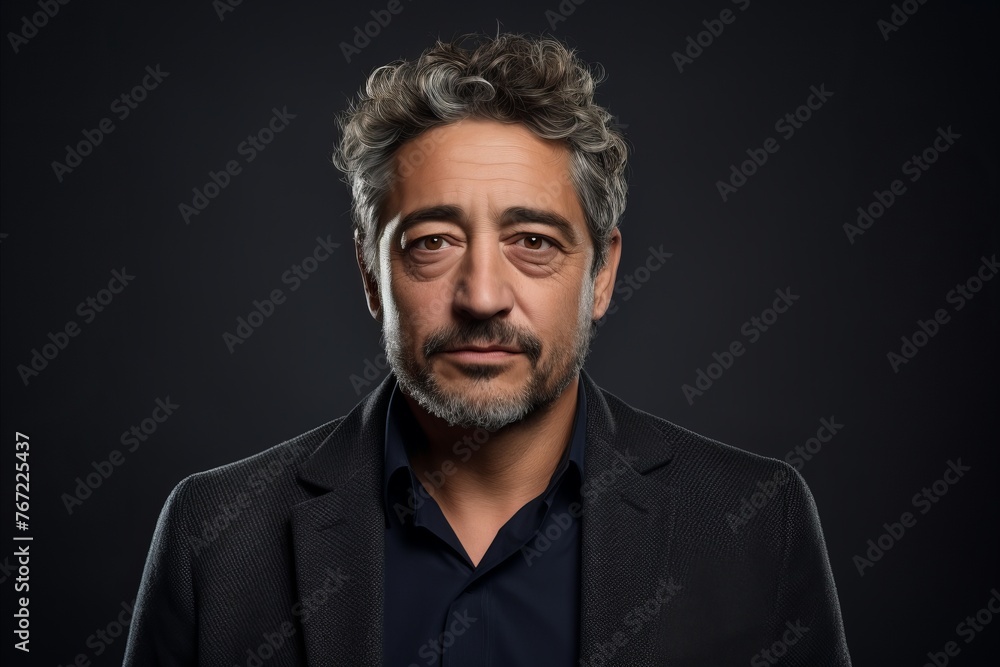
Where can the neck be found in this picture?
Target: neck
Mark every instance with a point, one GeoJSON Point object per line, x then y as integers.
{"type": "Point", "coordinates": [472, 470]}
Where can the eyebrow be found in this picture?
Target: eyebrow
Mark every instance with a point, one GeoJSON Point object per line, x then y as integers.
{"type": "Point", "coordinates": [510, 216]}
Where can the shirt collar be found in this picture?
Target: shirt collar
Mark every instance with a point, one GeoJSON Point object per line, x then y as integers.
{"type": "Point", "coordinates": [402, 432]}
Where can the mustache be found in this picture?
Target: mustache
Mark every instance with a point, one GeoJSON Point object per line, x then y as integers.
{"type": "Point", "coordinates": [484, 332]}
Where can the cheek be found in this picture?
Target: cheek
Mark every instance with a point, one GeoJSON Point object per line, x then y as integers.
{"type": "Point", "coordinates": [421, 310]}
{"type": "Point", "coordinates": [551, 317]}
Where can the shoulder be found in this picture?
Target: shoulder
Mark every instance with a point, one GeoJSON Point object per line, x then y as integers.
{"type": "Point", "coordinates": [714, 475]}
{"type": "Point", "coordinates": [257, 483]}
{"type": "Point", "coordinates": [742, 532]}
{"type": "Point", "coordinates": [686, 447]}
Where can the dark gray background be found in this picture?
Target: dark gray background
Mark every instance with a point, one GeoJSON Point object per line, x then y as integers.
{"type": "Point", "coordinates": [826, 357]}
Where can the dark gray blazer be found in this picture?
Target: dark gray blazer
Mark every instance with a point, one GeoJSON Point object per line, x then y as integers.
{"type": "Point", "coordinates": [694, 553]}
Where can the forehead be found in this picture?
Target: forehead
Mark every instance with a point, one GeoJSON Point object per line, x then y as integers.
{"type": "Point", "coordinates": [483, 164]}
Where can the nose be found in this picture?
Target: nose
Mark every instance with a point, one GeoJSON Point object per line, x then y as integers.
{"type": "Point", "coordinates": [483, 289]}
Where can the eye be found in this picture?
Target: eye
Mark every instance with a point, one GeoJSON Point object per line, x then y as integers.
{"type": "Point", "coordinates": [430, 243]}
{"type": "Point", "coordinates": [535, 242]}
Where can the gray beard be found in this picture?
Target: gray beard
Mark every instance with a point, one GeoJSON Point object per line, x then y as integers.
{"type": "Point", "coordinates": [494, 412]}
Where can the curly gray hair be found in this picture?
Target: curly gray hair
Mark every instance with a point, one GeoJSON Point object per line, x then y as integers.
{"type": "Point", "coordinates": [510, 78]}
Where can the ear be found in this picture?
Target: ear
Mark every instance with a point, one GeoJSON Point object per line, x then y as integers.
{"type": "Point", "coordinates": [368, 278]}
{"type": "Point", "coordinates": [604, 281]}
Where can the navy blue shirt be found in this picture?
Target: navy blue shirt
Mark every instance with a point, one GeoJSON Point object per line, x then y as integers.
{"type": "Point", "coordinates": [520, 605]}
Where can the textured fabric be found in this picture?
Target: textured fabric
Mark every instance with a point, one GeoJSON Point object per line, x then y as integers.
{"type": "Point", "coordinates": [520, 605]}
{"type": "Point", "coordinates": [278, 559]}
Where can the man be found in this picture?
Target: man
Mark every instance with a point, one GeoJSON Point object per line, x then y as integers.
{"type": "Point", "coordinates": [488, 503]}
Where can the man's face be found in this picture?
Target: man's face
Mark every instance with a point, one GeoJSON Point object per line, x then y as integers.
{"type": "Point", "coordinates": [484, 284]}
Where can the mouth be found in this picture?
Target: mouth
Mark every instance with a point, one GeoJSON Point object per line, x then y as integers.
{"type": "Point", "coordinates": [482, 353]}
{"type": "Point", "coordinates": [484, 348]}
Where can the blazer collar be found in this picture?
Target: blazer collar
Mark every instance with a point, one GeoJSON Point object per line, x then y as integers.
{"type": "Point", "coordinates": [346, 450]}
{"type": "Point", "coordinates": [338, 535]}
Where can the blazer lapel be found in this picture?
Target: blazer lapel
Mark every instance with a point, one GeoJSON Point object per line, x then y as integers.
{"type": "Point", "coordinates": [627, 528]}
{"type": "Point", "coordinates": [338, 540]}
{"type": "Point", "coordinates": [626, 576]}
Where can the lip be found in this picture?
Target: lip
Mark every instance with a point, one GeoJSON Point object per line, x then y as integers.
{"type": "Point", "coordinates": [485, 348]}
{"type": "Point", "coordinates": [491, 353]}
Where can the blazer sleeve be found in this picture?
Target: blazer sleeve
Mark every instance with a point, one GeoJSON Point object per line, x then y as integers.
{"type": "Point", "coordinates": [807, 611]}
{"type": "Point", "coordinates": [163, 629]}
